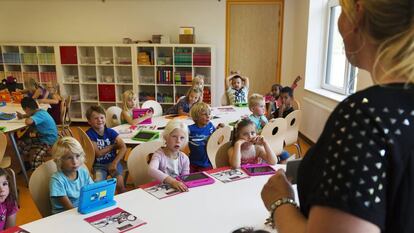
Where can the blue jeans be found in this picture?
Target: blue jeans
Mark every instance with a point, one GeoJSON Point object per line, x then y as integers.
{"type": "Point", "coordinates": [284, 155]}
{"type": "Point", "coordinates": [102, 171]}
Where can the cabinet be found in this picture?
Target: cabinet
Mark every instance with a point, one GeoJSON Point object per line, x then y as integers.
{"type": "Point", "coordinates": [165, 72]}
{"type": "Point", "coordinates": [25, 62]}
{"type": "Point", "coordinates": [99, 73]}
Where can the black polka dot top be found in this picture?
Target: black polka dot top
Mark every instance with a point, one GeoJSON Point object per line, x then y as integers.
{"type": "Point", "coordinates": [363, 162]}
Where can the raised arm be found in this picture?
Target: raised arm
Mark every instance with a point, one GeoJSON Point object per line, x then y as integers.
{"type": "Point", "coordinates": [234, 154]}
{"type": "Point", "coordinates": [265, 152]}
{"type": "Point", "coordinates": [227, 82]}
{"type": "Point", "coordinates": [246, 82]}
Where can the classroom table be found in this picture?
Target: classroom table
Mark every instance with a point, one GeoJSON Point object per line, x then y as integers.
{"type": "Point", "coordinates": [13, 125]}
{"type": "Point", "coordinates": [222, 114]}
{"type": "Point", "coordinates": [219, 207]}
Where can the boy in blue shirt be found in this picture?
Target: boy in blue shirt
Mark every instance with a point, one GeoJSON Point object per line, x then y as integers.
{"type": "Point", "coordinates": [34, 149]}
{"type": "Point", "coordinates": [199, 132]}
{"type": "Point", "coordinates": [106, 142]}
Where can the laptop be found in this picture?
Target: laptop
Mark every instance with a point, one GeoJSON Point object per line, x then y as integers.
{"type": "Point", "coordinates": [97, 196]}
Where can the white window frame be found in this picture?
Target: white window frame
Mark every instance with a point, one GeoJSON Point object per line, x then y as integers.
{"type": "Point", "coordinates": [349, 79]}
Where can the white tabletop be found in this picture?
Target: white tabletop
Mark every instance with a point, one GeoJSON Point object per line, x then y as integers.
{"type": "Point", "coordinates": [223, 114]}
{"type": "Point", "coordinates": [15, 124]}
{"type": "Point", "coordinates": [220, 207]}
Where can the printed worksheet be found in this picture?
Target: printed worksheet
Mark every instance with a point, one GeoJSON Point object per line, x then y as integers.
{"type": "Point", "coordinates": [159, 190]}
{"type": "Point", "coordinates": [114, 221]}
{"type": "Point", "coordinates": [228, 174]}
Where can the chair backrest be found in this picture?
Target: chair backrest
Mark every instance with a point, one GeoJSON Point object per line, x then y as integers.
{"type": "Point", "coordinates": [218, 138]}
{"type": "Point", "coordinates": [222, 158]}
{"type": "Point", "coordinates": [154, 105]}
{"type": "Point", "coordinates": [63, 109]}
{"type": "Point", "coordinates": [295, 104]}
{"type": "Point", "coordinates": [68, 102]}
{"type": "Point", "coordinates": [274, 133]}
{"type": "Point", "coordinates": [112, 121]}
{"type": "Point", "coordinates": [3, 145]}
{"type": "Point", "coordinates": [39, 187]}
{"type": "Point", "coordinates": [87, 146]}
{"type": "Point", "coordinates": [138, 161]}
{"type": "Point", "coordinates": [224, 100]}
{"type": "Point", "coordinates": [293, 121]}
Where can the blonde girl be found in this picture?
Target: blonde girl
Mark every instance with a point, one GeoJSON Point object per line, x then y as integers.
{"type": "Point", "coordinates": [65, 184]}
{"type": "Point", "coordinates": [169, 161]}
{"type": "Point", "coordinates": [184, 104]}
{"type": "Point", "coordinates": [248, 147]}
{"type": "Point", "coordinates": [8, 202]}
{"type": "Point", "coordinates": [198, 82]}
{"type": "Point", "coordinates": [129, 102]}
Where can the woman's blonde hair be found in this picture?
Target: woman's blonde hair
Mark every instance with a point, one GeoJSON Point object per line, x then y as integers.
{"type": "Point", "coordinates": [390, 23]}
{"type": "Point", "coordinates": [175, 124]}
{"type": "Point", "coordinates": [199, 108]}
{"type": "Point", "coordinates": [127, 95]}
{"type": "Point", "coordinates": [65, 145]}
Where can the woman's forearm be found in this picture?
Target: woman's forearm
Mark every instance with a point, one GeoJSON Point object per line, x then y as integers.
{"type": "Point", "coordinates": [288, 219]}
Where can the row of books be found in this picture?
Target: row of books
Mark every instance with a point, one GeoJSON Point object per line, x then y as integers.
{"type": "Point", "coordinates": [183, 77]}
{"type": "Point", "coordinates": [182, 56]}
{"type": "Point", "coordinates": [28, 58]}
{"type": "Point", "coordinates": [13, 58]}
{"type": "Point", "coordinates": [202, 59]}
{"type": "Point", "coordinates": [164, 76]}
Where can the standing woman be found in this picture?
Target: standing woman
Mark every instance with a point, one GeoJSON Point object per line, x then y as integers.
{"type": "Point", "coordinates": [359, 176]}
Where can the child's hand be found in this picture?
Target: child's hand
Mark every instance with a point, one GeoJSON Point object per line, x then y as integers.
{"type": "Point", "coordinates": [19, 115]}
{"type": "Point", "coordinates": [258, 140]}
{"type": "Point", "coordinates": [112, 167]}
{"type": "Point", "coordinates": [262, 122]}
{"type": "Point", "coordinates": [297, 79]}
{"type": "Point", "coordinates": [241, 141]}
{"type": "Point", "coordinates": [180, 186]}
{"type": "Point", "coordinates": [221, 125]}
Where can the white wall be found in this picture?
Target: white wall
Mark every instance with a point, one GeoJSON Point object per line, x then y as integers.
{"type": "Point", "coordinates": [94, 21]}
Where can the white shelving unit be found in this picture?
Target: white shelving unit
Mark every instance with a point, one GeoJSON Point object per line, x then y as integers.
{"type": "Point", "coordinates": [100, 73]}
{"type": "Point", "coordinates": [26, 62]}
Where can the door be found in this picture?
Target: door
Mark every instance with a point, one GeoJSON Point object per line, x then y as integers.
{"type": "Point", "coordinates": [254, 41]}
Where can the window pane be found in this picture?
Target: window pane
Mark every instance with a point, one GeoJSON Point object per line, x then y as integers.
{"type": "Point", "coordinates": [336, 63]}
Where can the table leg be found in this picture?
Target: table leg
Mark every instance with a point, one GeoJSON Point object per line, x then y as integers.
{"type": "Point", "coordinates": [16, 149]}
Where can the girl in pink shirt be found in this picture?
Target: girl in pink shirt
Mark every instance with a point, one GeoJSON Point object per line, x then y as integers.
{"type": "Point", "coordinates": [248, 147]}
{"type": "Point", "coordinates": [169, 161]}
{"type": "Point", "coordinates": [8, 203]}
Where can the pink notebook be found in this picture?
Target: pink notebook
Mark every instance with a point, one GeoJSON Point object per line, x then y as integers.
{"type": "Point", "coordinates": [139, 112]}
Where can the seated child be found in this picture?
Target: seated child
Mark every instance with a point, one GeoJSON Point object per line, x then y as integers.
{"type": "Point", "coordinates": [286, 95]}
{"type": "Point", "coordinates": [55, 100]}
{"type": "Point", "coordinates": [34, 149]}
{"type": "Point", "coordinates": [8, 201]}
{"type": "Point", "coordinates": [237, 88]}
{"type": "Point", "coordinates": [184, 104]}
{"type": "Point", "coordinates": [198, 82]}
{"type": "Point", "coordinates": [274, 96]}
{"type": "Point", "coordinates": [257, 107]}
{"type": "Point", "coordinates": [65, 184]}
{"type": "Point", "coordinates": [248, 147]}
{"type": "Point", "coordinates": [129, 102]}
{"type": "Point", "coordinates": [106, 142]}
{"type": "Point", "coordinates": [200, 131]}
{"type": "Point", "coordinates": [169, 162]}
{"type": "Point", "coordinates": [34, 89]}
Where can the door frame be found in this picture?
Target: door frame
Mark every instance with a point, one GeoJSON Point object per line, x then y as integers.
{"type": "Point", "coordinates": [229, 3]}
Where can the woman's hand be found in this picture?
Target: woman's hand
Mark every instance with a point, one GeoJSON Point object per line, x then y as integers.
{"type": "Point", "coordinates": [277, 187]}
{"type": "Point", "coordinates": [180, 186]}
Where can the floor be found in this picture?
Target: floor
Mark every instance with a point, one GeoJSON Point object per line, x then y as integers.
{"type": "Point", "coordinates": [28, 211]}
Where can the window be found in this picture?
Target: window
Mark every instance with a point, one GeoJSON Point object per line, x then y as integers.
{"type": "Point", "coordinates": [339, 73]}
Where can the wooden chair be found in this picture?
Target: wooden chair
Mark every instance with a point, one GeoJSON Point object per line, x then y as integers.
{"type": "Point", "coordinates": [5, 160]}
{"type": "Point", "coordinates": [224, 101]}
{"type": "Point", "coordinates": [218, 138]}
{"type": "Point", "coordinates": [153, 104]}
{"type": "Point", "coordinates": [295, 104]}
{"type": "Point", "coordinates": [292, 131]}
{"type": "Point", "coordinates": [274, 133]}
{"type": "Point", "coordinates": [87, 146]}
{"type": "Point", "coordinates": [63, 128]}
{"type": "Point", "coordinates": [138, 161]}
{"type": "Point", "coordinates": [113, 116]}
{"type": "Point", "coordinates": [222, 158]}
{"type": "Point", "coordinates": [39, 187]}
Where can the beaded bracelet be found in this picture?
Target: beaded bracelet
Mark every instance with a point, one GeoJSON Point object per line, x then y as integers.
{"type": "Point", "coordinates": [277, 204]}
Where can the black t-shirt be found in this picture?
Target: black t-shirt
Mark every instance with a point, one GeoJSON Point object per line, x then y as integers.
{"type": "Point", "coordinates": [363, 162]}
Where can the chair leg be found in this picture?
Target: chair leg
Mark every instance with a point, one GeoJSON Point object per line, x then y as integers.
{"type": "Point", "coordinates": [299, 149]}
